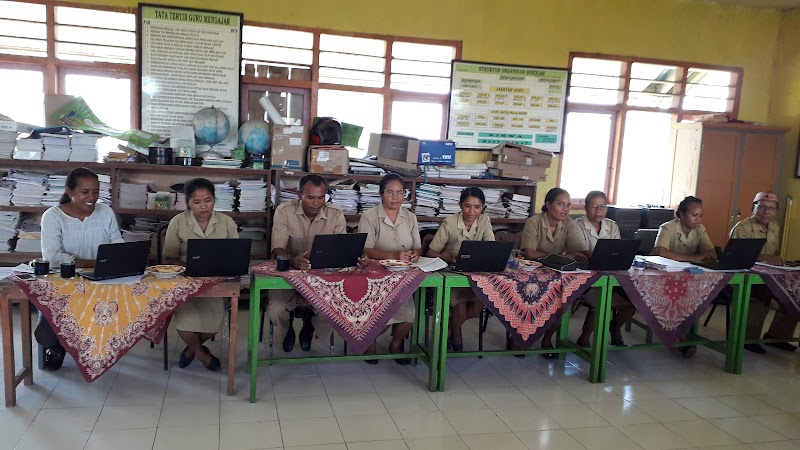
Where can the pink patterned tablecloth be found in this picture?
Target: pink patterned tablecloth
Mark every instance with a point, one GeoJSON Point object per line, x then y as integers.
{"type": "Point", "coordinates": [784, 285]}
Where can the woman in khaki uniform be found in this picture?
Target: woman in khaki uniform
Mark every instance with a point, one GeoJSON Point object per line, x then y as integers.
{"type": "Point", "coordinates": [199, 319]}
{"type": "Point", "coordinates": [685, 239]}
{"type": "Point", "coordinates": [392, 233]}
{"type": "Point", "coordinates": [553, 232]}
{"type": "Point", "coordinates": [469, 224]}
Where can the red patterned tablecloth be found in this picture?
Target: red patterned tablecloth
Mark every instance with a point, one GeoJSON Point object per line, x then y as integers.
{"type": "Point", "coordinates": [358, 303]}
{"type": "Point", "coordinates": [671, 302]}
{"type": "Point", "coordinates": [528, 302]}
{"type": "Point", "coordinates": [784, 285]}
{"type": "Point", "coordinates": [98, 323]}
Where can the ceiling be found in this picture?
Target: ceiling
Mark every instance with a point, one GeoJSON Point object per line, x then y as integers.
{"type": "Point", "coordinates": [769, 4]}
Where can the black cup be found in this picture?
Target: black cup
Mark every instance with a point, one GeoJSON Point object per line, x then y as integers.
{"type": "Point", "coordinates": [282, 263]}
{"type": "Point", "coordinates": [68, 269]}
{"type": "Point", "coordinates": [41, 267]}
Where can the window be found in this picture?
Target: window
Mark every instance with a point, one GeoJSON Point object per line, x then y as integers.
{"type": "Point", "coordinates": [23, 29]}
{"type": "Point", "coordinates": [619, 114]}
{"type": "Point", "coordinates": [92, 35]}
{"type": "Point", "coordinates": [375, 82]}
{"type": "Point", "coordinates": [22, 92]}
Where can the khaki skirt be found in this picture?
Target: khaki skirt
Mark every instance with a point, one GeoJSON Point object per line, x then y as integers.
{"type": "Point", "coordinates": [200, 315]}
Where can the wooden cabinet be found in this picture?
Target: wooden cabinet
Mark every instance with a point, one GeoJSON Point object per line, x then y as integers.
{"type": "Point", "coordinates": [724, 165]}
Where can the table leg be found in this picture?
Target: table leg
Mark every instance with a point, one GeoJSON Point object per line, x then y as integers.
{"type": "Point", "coordinates": [252, 340]}
{"type": "Point", "coordinates": [434, 374]}
{"type": "Point", "coordinates": [234, 326]}
{"type": "Point", "coordinates": [740, 308]}
{"type": "Point", "coordinates": [418, 300]}
{"type": "Point", "coordinates": [600, 336]}
{"type": "Point", "coordinates": [442, 341]}
{"type": "Point", "coordinates": [8, 352]}
{"type": "Point", "coordinates": [604, 336]}
{"type": "Point", "coordinates": [27, 347]}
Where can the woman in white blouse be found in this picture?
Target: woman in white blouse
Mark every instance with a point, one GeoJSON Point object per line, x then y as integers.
{"type": "Point", "coordinates": [72, 231]}
{"type": "Point", "coordinates": [594, 226]}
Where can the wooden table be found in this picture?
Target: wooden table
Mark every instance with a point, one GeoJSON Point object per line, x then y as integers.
{"type": "Point", "coordinates": [10, 294]}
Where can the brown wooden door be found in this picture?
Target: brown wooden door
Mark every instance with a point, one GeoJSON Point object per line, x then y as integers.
{"type": "Point", "coordinates": [759, 169]}
{"type": "Point", "coordinates": [716, 184]}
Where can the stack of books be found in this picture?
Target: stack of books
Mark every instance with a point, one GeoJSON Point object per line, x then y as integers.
{"type": "Point", "coordinates": [105, 188]}
{"type": "Point", "coordinates": [28, 148]}
{"type": "Point", "coordinates": [28, 189]}
{"type": "Point", "coordinates": [450, 197]}
{"type": "Point", "coordinates": [84, 147]}
{"type": "Point", "coordinates": [222, 163]}
{"type": "Point", "coordinates": [345, 196]}
{"type": "Point", "coordinates": [56, 147]}
{"type": "Point", "coordinates": [6, 190]}
{"type": "Point", "coordinates": [8, 230]}
{"type": "Point", "coordinates": [462, 171]}
{"type": "Point", "coordinates": [288, 195]}
{"type": "Point", "coordinates": [518, 205]}
{"type": "Point", "coordinates": [29, 237]}
{"type": "Point", "coordinates": [252, 195]}
{"type": "Point", "coordinates": [131, 195]}
{"type": "Point", "coordinates": [361, 168]}
{"type": "Point", "coordinates": [428, 199]}
{"type": "Point", "coordinates": [54, 190]}
{"type": "Point", "coordinates": [225, 195]}
{"type": "Point", "coordinates": [368, 196]}
{"type": "Point", "coordinates": [8, 142]}
{"type": "Point", "coordinates": [494, 203]}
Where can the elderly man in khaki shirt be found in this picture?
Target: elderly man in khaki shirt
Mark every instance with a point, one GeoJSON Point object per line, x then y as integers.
{"type": "Point", "coordinates": [762, 225]}
{"type": "Point", "coordinates": [294, 227]}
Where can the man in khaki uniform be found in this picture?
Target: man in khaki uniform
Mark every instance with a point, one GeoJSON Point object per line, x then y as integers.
{"type": "Point", "coordinates": [761, 225]}
{"type": "Point", "coordinates": [294, 227]}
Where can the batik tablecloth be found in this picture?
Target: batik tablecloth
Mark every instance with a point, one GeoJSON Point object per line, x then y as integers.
{"type": "Point", "coordinates": [527, 303]}
{"type": "Point", "coordinates": [98, 323]}
{"type": "Point", "coordinates": [784, 285]}
{"type": "Point", "coordinates": [358, 303]}
{"type": "Point", "coordinates": [671, 302]}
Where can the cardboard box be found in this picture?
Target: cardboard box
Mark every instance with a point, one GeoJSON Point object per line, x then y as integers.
{"type": "Point", "coordinates": [437, 153]}
{"type": "Point", "coordinates": [333, 159]}
{"type": "Point", "coordinates": [394, 149]}
{"type": "Point", "coordinates": [522, 155]}
{"type": "Point", "coordinates": [288, 147]}
{"type": "Point", "coordinates": [529, 173]}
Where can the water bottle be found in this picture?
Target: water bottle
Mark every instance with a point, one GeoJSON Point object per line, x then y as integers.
{"type": "Point", "coordinates": [638, 262]}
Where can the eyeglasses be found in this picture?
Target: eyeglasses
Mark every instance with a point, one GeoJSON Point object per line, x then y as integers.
{"type": "Point", "coordinates": [765, 208]}
{"type": "Point", "coordinates": [394, 193]}
{"type": "Point", "coordinates": [599, 207]}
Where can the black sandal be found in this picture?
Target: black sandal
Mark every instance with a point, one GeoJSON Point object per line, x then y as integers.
{"type": "Point", "coordinates": [184, 360]}
{"type": "Point", "coordinates": [215, 365]}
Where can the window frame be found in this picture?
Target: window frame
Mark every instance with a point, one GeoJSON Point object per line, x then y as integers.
{"type": "Point", "coordinates": [620, 109]}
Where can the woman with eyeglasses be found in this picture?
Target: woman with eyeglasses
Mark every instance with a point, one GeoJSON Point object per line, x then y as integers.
{"type": "Point", "coordinates": [762, 225]}
{"type": "Point", "coordinates": [392, 233]}
{"type": "Point", "coordinates": [594, 226]}
{"type": "Point", "coordinates": [553, 232]}
{"type": "Point", "coordinates": [470, 224]}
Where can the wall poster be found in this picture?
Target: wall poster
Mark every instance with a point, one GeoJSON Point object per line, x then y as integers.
{"type": "Point", "coordinates": [494, 103]}
{"type": "Point", "coordinates": [189, 59]}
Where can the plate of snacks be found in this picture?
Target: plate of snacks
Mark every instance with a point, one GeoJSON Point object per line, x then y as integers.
{"type": "Point", "coordinates": [394, 265]}
{"type": "Point", "coordinates": [165, 270]}
{"type": "Point", "coordinates": [526, 264]}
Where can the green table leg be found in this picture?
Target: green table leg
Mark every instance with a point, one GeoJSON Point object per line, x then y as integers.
{"type": "Point", "coordinates": [442, 341]}
{"type": "Point", "coordinates": [598, 356]}
{"type": "Point", "coordinates": [739, 323]}
{"type": "Point", "coordinates": [252, 341]}
{"type": "Point", "coordinates": [602, 328]}
{"type": "Point", "coordinates": [436, 340]}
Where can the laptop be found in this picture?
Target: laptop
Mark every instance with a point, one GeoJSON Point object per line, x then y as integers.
{"type": "Point", "coordinates": [483, 256]}
{"type": "Point", "coordinates": [218, 257]}
{"type": "Point", "coordinates": [124, 259]}
{"type": "Point", "coordinates": [739, 254]}
{"type": "Point", "coordinates": [613, 254]}
{"type": "Point", "coordinates": [334, 251]}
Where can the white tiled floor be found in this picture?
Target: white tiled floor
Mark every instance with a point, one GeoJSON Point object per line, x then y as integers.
{"type": "Point", "coordinates": [653, 399]}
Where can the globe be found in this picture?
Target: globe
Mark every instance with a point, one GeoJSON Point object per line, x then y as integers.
{"type": "Point", "coordinates": [211, 126]}
{"type": "Point", "coordinates": [254, 134]}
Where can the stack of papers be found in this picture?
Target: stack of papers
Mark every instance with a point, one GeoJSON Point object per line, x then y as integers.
{"type": "Point", "coordinates": [143, 229]}
{"type": "Point", "coordinates": [428, 225]}
{"type": "Point", "coordinates": [105, 188]}
{"type": "Point", "coordinates": [428, 199]}
{"type": "Point", "coordinates": [6, 189]}
{"type": "Point", "coordinates": [84, 147]}
{"type": "Point", "coordinates": [8, 229]}
{"type": "Point", "coordinates": [518, 205]}
{"type": "Point", "coordinates": [8, 142]}
{"type": "Point", "coordinates": [666, 264]}
{"type": "Point", "coordinates": [494, 203]}
{"type": "Point", "coordinates": [56, 147]}
{"type": "Point", "coordinates": [365, 169]}
{"type": "Point", "coordinates": [430, 264]}
{"type": "Point", "coordinates": [131, 195]}
{"type": "Point", "coordinates": [463, 171]}
{"type": "Point", "coordinates": [288, 195]}
{"type": "Point", "coordinates": [222, 163]}
{"type": "Point", "coordinates": [345, 196]}
{"type": "Point", "coordinates": [369, 197]}
{"type": "Point", "coordinates": [226, 195]}
{"type": "Point", "coordinates": [29, 237]}
{"type": "Point", "coordinates": [252, 195]}
{"type": "Point", "coordinates": [29, 188]}
{"type": "Point", "coordinates": [450, 198]}
{"type": "Point", "coordinates": [55, 189]}
{"type": "Point", "coordinates": [28, 148]}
